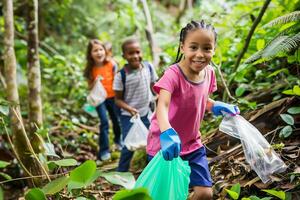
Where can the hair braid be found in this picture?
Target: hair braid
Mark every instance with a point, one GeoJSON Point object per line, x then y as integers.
{"type": "Point", "coordinates": [189, 27]}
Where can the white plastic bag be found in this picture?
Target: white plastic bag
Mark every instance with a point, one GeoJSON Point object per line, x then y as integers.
{"type": "Point", "coordinates": [97, 94]}
{"type": "Point", "coordinates": [258, 152]}
{"type": "Point", "coordinates": [137, 135]}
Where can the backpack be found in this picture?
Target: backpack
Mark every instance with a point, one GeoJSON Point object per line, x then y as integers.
{"type": "Point", "coordinates": [123, 74]}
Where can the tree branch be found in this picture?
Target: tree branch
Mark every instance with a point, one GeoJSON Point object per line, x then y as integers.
{"type": "Point", "coordinates": [255, 23]}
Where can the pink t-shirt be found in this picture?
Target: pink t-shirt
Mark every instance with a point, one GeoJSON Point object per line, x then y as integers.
{"type": "Point", "coordinates": [186, 109]}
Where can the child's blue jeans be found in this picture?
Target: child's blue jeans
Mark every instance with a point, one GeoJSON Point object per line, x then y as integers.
{"type": "Point", "coordinates": [108, 106]}
{"type": "Point", "coordinates": [127, 155]}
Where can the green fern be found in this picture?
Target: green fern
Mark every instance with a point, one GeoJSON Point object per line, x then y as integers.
{"type": "Point", "coordinates": [290, 17]}
{"type": "Point", "coordinates": [284, 42]}
{"type": "Point", "coordinates": [254, 57]}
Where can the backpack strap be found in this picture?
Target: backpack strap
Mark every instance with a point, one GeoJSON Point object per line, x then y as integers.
{"type": "Point", "coordinates": [123, 78]}
{"type": "Point", "coordinates": [123, 74]}
{"type": "Point", "coordinates": [149, 66]}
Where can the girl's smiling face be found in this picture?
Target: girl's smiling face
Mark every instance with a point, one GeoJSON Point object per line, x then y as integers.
{"type": "Point", "coordinates": [198, 49]}
{"type": "Point", "coordinates": [98, 54]}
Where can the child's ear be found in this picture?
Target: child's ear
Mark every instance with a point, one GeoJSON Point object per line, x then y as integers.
{"type": "Point", "coordinates": [181, 47]}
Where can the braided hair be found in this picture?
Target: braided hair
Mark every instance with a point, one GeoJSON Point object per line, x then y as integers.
{"type": "Point", "coordinates": [190, 27]}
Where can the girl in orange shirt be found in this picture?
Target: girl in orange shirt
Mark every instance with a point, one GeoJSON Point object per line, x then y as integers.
{"type": "Point", "coordinates": [98, 64]}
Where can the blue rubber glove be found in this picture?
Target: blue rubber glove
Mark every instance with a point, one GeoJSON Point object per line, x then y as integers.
{"type": "Point", "coordinates": [220, 107]}
{"type": "Point", "coordinates": [170, 144]}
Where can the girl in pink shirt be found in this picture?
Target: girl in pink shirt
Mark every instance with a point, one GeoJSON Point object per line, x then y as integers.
{"type": "Point", "coordinates": [184, 91]}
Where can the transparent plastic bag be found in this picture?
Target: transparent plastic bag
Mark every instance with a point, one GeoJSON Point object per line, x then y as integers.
{"type": "Point", "coordinates": [258, 152]}
{"type": "Point", "coordinates": [97, 94]}
{"type": "Point", "coordinates": [137, 134]}
{"type": "Point", "coordinates": [166, 179]}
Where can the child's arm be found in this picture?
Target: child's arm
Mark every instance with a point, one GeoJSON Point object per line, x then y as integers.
{"type": "Point", "coordinates": [122, 104]}
{"type": "Point", "coordinates": [162, 110]}
{"type": "Point", "coordinates": [210, 103]}
{"type": "Point", "coordinates": [169, 139]}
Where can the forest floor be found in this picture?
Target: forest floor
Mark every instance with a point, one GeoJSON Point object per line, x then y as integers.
{"type": "Point", "coordinates": [227, 161]}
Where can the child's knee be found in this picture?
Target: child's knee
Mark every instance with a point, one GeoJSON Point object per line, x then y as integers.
{"type": "Point", "coordinates": [202, 193]}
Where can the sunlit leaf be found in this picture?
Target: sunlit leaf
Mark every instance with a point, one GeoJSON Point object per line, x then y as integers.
{"type": "Point", "coordinates": [296, 90]}
{"type": "Point", "coordinates": [236, 188]}
{"type": "Point", "coordinates": [286, 132]}
{"type": "Point", "coordinates": [56, 185]}
{"type": "Point", "coordinates": [83, 175]}
{"type": "Point", "coordinates": [279, 194]}
{"type": "Point", "coordinates": [125, 179]}
{"type": "Point", "coordinates": [240, 91]}
{"type": "Point", "coordinates": [138, 193]}
{"type": "Point", "coordinates": [65, 162]}
{"type": "Point", "coordinates": [35, 194]}
{"type": "Point", "coordinates": [287, 118]}
{"type": "Point", "coordinates": [260, 44]}
{"type": "Point", "coordinates": [288, 92]}
{"type": "Point", "coordinates": [3, 164]}
{"type": "Point", "coordinates": [232, 194]}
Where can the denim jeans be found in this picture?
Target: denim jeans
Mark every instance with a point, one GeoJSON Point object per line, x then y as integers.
{"type": "Point", "coordinates": [108, 105]}
{"type": "Point", "coordinates": [126, 155]}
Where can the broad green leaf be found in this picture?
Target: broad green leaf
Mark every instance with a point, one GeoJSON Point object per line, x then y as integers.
{"type": "Point", "coordinates": [3, 164]}
{"type": "Point", "coordinates": [83, 175]}
{"type": "Point", "coordinates": [266, 198]}
{"type": "Point", "coordinates": [246, 198]}
{"type": "Point", "coordinates": [240, 91]}
{"type": "Point", "coordinates": [287, 118]}
{"type": "Point", "coordinates": [260, 44]}
{"type": "Point", "coordinates": [288, 92]}
{"type": "Point", "coordinates": [236, 188]}
{"type": "Point", "coordinates": [4, 110]}
{"type": "Point", "coordinates": [56, 185]}
{"type": "Point", "coordinates": [125, 179]}
{"type": "Point", "coordinates": [294, 110]}
{"type": "Point", "coordinates": [232, 194]}
{"type": "Point", "coordinates": [296, 90]}
{"type": "Point", "coordinates": [138, 193]}
{"type": "Point", "coordinates": [65, 162]}
{"type": "Point", "coordinates": [286, 132]}
{"type": "Point", "coordinates": [6, 176]}
{"type": "Point", "coordinates": [35, 194]}
{"type": "Point", "coordinates": [279, 194]}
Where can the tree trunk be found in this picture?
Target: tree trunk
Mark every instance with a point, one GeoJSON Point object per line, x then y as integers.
{"type": "Point", "coordinates": [149, 34]}
{"type": "Point", "coordinates": [21, 143]}
{"type": "Point", "coordinates": [34, 74]}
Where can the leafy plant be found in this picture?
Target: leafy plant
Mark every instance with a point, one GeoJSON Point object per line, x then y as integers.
{"type": "Point", "coordinates": [286, 41]}
{"type": "Point", "coordinates": [234, 191]}
{"type": "Point", "coordinates": [138, 193]}
{"type": "Point", "coordinates": [287, 118]}
{"type": "Point", "coordinates": [83, 176]}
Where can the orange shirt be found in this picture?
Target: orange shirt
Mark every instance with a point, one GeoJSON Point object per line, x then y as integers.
{"type": "Point", "coordinates": [107, 73]}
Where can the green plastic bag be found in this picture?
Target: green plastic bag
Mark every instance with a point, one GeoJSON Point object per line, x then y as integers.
{"type": "Point", "coordinates": [166, 179]}
{"type": "Point", "coordinates": [91, 110]}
